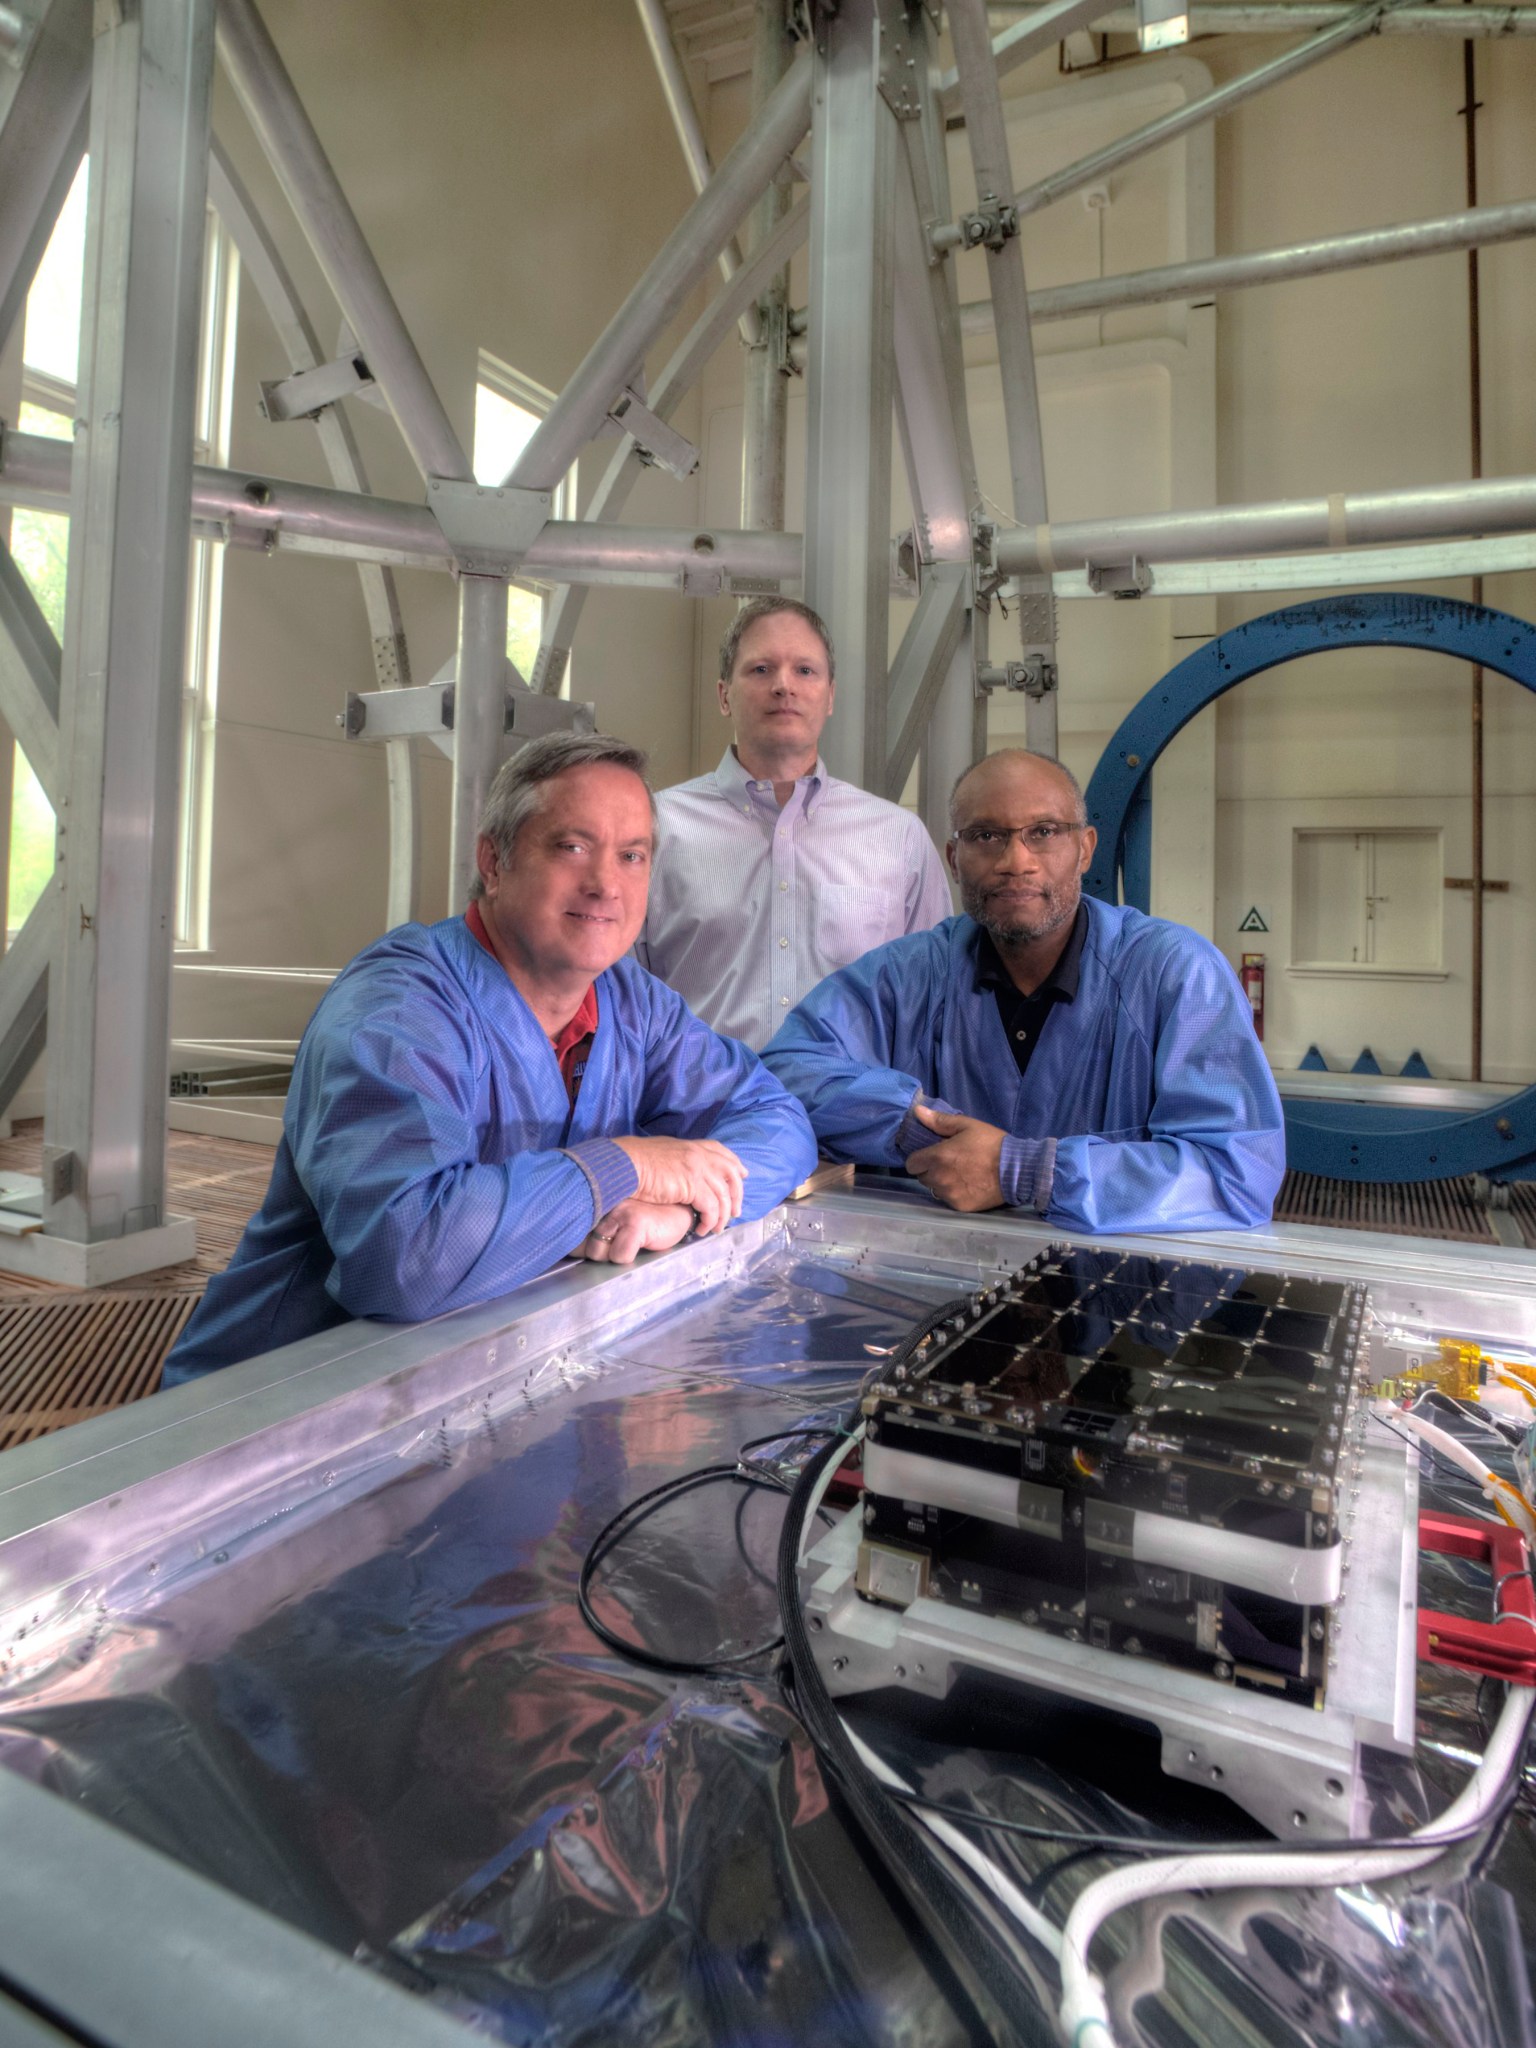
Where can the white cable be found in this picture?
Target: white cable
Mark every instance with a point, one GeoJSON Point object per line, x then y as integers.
{"type": "Point", "coordinates": [1455, 1452]}
{"type": "Point", "coordinates": [1084, 2011]}
{"type": "Point", "coordinates": [997, 1882]}
{"type": "Point", "coordinates": [819, 1491]}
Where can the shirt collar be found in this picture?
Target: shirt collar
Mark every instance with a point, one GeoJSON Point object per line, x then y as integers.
{"type": "Point", "coordinates": [581, 1026]}
{"type": "Point", "coordinates": [733, 782]}
{"type": "Point", "coordinates": [1061, 981]}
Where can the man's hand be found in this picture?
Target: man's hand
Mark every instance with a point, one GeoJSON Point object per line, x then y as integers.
{"type": "Point", "coordinates": [636, 1226]}
{"type": "Point", "coordinates": [963, 1169]}
{"type": "Point", "coordinates": [700, 1173]}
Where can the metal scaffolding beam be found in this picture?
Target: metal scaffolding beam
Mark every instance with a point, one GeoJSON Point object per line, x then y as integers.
{"type": "Point", "coordinates": [1283, 17]}
{"type": "Point", "coordinates": [690, 134]}
{"type": "Point", "coordinates": [125, 626]}
{"type": "Point", "coordinates": [266, 270]}
{"type": "Point", "coordinates": [1224, 532]}
{"type": "Point", "coordinates": [42, 138]}
{"type": "Point", "coordinates": [988, 138]}
{"type": "Point", "coordinates": [1480, 227]}
{"type": "Point", "coordinates": [1088, 170]}
{"type": "Point", "coordinates": [848, 378]}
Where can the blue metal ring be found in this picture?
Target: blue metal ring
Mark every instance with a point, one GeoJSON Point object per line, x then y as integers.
{"type": "Point", "coordinates": [1498, 1138]}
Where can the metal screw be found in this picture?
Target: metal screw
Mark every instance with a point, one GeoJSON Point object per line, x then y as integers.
{"type": "Point", "coordinates": [1334, 1788]}
{"type": "Point", "coordinates": [1298, 1819]}
{"type": "Point", "coordinates": [839, 1663]}
{"type": "Point", "coordinates": [815, 1621]}
{"type": "Point", "coordinates": [1223, 1670]}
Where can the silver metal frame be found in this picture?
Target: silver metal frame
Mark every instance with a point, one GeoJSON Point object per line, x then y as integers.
{"type": "Point", "coordinates": [884, 341]}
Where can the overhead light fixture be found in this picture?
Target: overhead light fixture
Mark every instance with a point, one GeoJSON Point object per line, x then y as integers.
{"type": "Point", "coordinates": [1160, 24]}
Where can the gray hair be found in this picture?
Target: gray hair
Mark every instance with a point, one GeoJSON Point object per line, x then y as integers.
{"type": "Point", "coordinates": [1022, 754]}
{"type": "Point", "coordinates": [765, 608]}
{"type": "Point", "coordinates": [517, 793]}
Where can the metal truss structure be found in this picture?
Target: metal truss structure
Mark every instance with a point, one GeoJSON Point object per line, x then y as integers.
{"type": "Point", "coordinates": [97, 716]}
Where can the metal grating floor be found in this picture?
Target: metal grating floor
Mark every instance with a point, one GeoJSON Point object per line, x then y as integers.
{"type": "Point", "coordinates": [1436, 1208]}
{"type": "Point", "coordinates": [67, 1353]}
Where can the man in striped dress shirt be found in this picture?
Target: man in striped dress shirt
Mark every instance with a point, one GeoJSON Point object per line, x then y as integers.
{"type": "Point", "coordinates": [770, 873]}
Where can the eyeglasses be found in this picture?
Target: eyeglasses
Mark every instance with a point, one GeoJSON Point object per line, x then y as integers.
{"type": "Point", "coordinates": [1049, 836]}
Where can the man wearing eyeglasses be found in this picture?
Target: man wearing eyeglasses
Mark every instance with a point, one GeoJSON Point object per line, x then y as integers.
{"type": "Point", "coordinates": [1043, 1051]}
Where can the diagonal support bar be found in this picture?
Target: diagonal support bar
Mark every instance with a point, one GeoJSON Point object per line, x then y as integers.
{"type": "Point", "coordinates": [287, 134]}
{"type": "Point", "coordinates": [1088, 170]}
{"type": "Point", "coordinates": [24, 996]}
{"type": "Point", "coordinates": [42, 139]}
{"type": "Point", "coordinates": [672, 386]}
{"type": "Point", "coordinates": [922, 663]}
{"type": "Point", "coordinates": [1049, 24]}
{"type": "Point", "coordinates": [616, 357]}
{"type": "Point", "coordinates": [29, 675]}
{"type": "Point", "coordinates": [265, 268]}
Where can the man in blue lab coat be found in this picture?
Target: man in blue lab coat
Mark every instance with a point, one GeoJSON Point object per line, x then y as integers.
{"type": "Point", "coordinates": [475, 1099]}
{"type": "Point", "coordinates": [1043, 1051]}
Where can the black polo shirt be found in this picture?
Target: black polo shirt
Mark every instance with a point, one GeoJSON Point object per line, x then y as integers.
{"type": "Point", "coordinates": [1023, 1017]}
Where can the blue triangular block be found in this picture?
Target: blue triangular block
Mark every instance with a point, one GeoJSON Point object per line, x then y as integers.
{"type": "Point", "coordinates": [1367, 1062]}
{"type": "Point", "coordinates": [1312, 1062]}
{"type": "Point", "coordinates": [1416, 1068]}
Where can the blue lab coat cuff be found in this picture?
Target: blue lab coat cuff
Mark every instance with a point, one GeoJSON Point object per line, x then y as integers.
{"type": "Point", "coordinates": [610, 1172]}
{"type": "Point", "coordinates": [1026, 1169]}
{"type": "Point", "coordinates": [912, 1136]}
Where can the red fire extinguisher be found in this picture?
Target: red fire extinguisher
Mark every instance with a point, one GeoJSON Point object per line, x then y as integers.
{"type": "Point", "coordinates": [1252, 978]}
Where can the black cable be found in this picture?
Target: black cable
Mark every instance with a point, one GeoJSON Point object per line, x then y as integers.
{"type": "Point", "coordinates": [619, 1525]}
{"type": "Point", "coordinates": [1001, 2002]}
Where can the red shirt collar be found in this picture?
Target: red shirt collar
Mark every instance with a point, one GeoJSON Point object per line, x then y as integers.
{"type": "Point", "coordinates": [581, 1026]}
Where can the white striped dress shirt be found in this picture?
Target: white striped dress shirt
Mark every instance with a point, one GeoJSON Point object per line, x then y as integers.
{"type": "Point", "coordinates": [751, 905]}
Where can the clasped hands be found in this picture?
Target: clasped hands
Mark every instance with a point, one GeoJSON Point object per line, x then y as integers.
{"type": "Point", "coordinates": [685, 1184]}
{"type": "Point", "coordinates": [964, 1169]}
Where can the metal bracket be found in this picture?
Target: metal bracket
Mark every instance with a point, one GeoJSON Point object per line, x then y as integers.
{"type": "Point", "coordinates": [655, 442]}
{"type": "Point", "coordinates": [58, 1176]}
{"type": "Point", "coordinates": [1120, 579]}
{"type": "Point", "coordinates": [391, 661]}
{"type": "Point", "coordinates": [425, 711]}
{"type": "Point", "coordinates": [490, 527]}
{"type": "Point", "coordinates": [899, 86]}
{"type": "Point", "coordinates": [1034, 675]}
{"type": "Point", "coordinates": [308, 392]}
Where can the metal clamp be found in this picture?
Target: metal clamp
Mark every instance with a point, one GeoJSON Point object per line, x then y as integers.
{"type": "Point", "coordinates": [1034, 675]}
{"type": "Point", "coordinates": [1120, 579]}
{"type": "Point", "coordinates": [655, 442]}
{"type": "Point", "coordinates": [308, 392]}
{"type": "Point", "coordinates": [994, 223]}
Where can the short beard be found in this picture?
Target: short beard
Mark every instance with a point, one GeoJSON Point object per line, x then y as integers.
{"type": "Point", "coordinates": [973, 903]}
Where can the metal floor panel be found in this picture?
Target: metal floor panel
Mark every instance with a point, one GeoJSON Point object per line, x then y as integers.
{"type": "Point", "coordinates": [1436, 1208]}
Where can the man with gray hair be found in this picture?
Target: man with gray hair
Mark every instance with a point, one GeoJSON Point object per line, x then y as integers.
{"type": "Point", "coordinates": [770, 872]}
{"type": "Point", "coordinates": [1044, 1051]}
{"type": "Point", "coordinates": [476, 1098]}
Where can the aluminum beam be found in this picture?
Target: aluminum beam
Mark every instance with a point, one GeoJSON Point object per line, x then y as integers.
{"type": "Point", "coordinates": [125, 624]}
{"type": "Point", "coordinates": [1228, 532]}
{"type": "Point", "coordinates": [42, 138]}
{"type": "Point", "coordinates": [478, 721]}
{"type": "Point", "coordinates": [1040, 28]}
{"type": "Point", "coordinates": [1281, 17]}
{"type": "Point", "coordinates": [1480, 227]}
{"type": "Point", "coordinates": [24, 996]}
{"type": "Point", "coordinates": [265, 269]}
{"type": "Point", "coordinates": [672, 386]}
{"type": "Point", "coordinates": [685, 119]}
{"type": "Point", "coordinates": [849, 378]}
{"type": "Point", "coordinates": [988, 138]}
{"type": "Point", "coordinates": [924, 664]}
{"type": "Point", "coordinates": [286, 133]}
{"type": "Point", "coordinates": [276, 515]}
{"type": "Point", "coordinates": [29, 675]}
{"type": "Point", "coordinates": [619, 353]}
{"type": "Point", "coordinates": [1088, 170]}
{"type": "Point", "coordinates": [765, 374]}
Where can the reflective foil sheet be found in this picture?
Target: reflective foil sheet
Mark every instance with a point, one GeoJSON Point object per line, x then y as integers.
{"type": "Point", "coordinates": [375, 1710]}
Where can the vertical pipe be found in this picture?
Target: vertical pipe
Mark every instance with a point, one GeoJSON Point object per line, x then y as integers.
{"type": "Point", "coordinates": [766, 395]}
{"type": "Point", "coordinates": [479, 719]}
{"type": "Point", "coordinates": [1475, 399]}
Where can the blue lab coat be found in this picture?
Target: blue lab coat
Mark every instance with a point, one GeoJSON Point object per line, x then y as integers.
{"type": "Point", "coordinates": [1147, 1105]}
{"type": "Point", "coordinates": [430, 1157]}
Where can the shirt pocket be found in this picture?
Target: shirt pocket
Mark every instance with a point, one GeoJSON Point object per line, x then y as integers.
{"type": "Point", "coordinates": [852, 917]}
